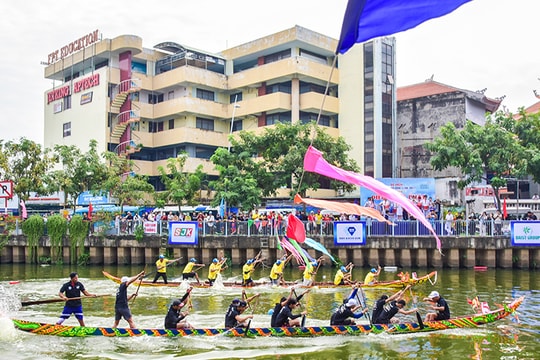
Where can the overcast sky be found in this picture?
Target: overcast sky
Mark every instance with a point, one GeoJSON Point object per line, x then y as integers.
{"type": "Point", "coordinates": [489, 44]}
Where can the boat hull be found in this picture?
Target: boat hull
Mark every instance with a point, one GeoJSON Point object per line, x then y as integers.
{"type": "Point", "coordinates": [471, 321]}
{"type": "Point", "coordinates": [398, 284]}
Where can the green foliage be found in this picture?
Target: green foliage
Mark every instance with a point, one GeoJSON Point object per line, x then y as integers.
{"type": "Point", "coordinates": [477, 151]}
{"type": "Point", "coordinates": [180, 187]}
{"type": "Point", "coordinates": [138, 232]}
{"type": "Point", "coordinates": [33, 228]}
{"type": "Point", "coordinates": [259, 165]}
{"type": "Point", "coordinates": [26, 164]}
{"type": "Point", "coordinates": [57, 229]}
{"type": "Point", "coordinates": [84, 259]}
{"type": "Point", "coordinates": [123, 184]}
{"type": "Point", "coordinates": [78, 230]}
{"type": "Point", "coordinates": [44, 260]}
{"type": "Point", "coordinates": [79, 172]}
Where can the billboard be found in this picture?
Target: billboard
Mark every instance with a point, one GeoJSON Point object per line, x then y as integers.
{"type": "Point", "coordinates": [183, 233]}
{"type": "Point", "coordinates": [410, 187]}
{"type": "Point", "coordinates": [349, 232]}
{"type": "Point", "coordinates": [525, 233]}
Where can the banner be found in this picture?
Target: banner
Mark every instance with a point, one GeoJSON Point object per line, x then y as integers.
{"type": "Point", "coordinates": [150, 227]}
{"type": "Point", "coordinates": [349, 233]}
{"type": "Point", "coordinates": [183, 233]}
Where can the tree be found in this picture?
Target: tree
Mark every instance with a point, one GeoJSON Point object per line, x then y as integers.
{"type": "Point", "coordinates": [79, 173]}
{"type": "Point", "coordinates": [180, 187]}
{"type": "Point", "coordinates": [123, 184]}
{"type": "Point", "coordinates": [26, 164]}
{"type": "Point", "coordinates": [527, 127]}
{"type": "Point", "coordinates": [274, 160]}
{"type": "Point", "coordinates": [490, 153]}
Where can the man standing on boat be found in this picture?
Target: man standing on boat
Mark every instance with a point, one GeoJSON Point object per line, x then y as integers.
{"type": "Point", "coordinates": [121, 307]}
{"type": "Point", "coordinates": [188, 271]}
{"type": "Point", "coordinates": [276, 273]}
{"type": "Point", "coordinates": [439, 305]}
{"type": "Point", "coordinates": [215, 269]}
{"type": "Point", "coordinates": [72, 290]}
{"type": "Point", "coordinates": [161, 268]}
{"type": "Point", "coordinates": [248, 269]}
{"type": "Point", "coordinates": [372, 276]}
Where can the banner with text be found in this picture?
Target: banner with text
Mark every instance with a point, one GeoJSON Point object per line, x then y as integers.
{"type": "Point", "coordinates": [183, 233]}
{"type": "Point", "coordinates": [526, 233]}
{"type": "Point", "coordinates": [349, 233]}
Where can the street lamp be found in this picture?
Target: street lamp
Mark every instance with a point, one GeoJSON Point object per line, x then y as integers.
{"type": "Point", "coordinates": [235, 106]}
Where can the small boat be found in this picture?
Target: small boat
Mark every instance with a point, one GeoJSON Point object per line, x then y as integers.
{"type": "Point", "coordinates": [470, 321]}
{"type": "Point", "coordinates": [401, 283]}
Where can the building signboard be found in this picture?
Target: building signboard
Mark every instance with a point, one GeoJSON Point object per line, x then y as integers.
{"type": "Point", "coordinates": [349, 232]}
{"type": "Point", "coordinates": [525, 233]}
{"type": "Point", "coordinates": [183, 232]}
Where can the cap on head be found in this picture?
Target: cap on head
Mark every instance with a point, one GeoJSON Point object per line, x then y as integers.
{"type": "Point", "coordinates": [162, 256]}
{"type": "Point", "coordinates": [343, 268]}
{"type": "Point", "coordinates": [124, 279]}
{"type": "Point", "coordinates": [433, 295]}
{"type": "Point", "coordinates": [215, 260]}
{"type": "Point", "coordinates": [176, 303]}
{"type": "Point", "coordinates": [373, 270]}
{"type": "Point", "coordinates": [235, 302]}
{"type": "Point", "coordinates": [242, 303]}
{"type": "Point", "coordinates": [72, 275]}
{"type": "Point", "coordinates": [351, 303]}
{"type": "Point", "coordinates": [314, 263]}
{"type": "Point", "coordinates": [193, 260]}
{"type": "Point", "coordinates": [278, 262]}
{"type": "Point", "coordinates": [249, 262]}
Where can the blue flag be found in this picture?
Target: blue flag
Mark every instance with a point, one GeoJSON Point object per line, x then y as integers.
{"type": "Point", "coordinates": [221, 209]}
{"type": "Point", "coordinates": [368, 19]}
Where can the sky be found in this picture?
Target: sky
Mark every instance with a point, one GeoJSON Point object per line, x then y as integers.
{"type": "Point", "coordinates": [489, 44]}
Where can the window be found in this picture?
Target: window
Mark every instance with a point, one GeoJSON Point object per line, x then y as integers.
{"type": "Point", "coordinates": [171, 124]}
{"type": "Point", "coordinates": [205, 94]}
{"type": "Point", "coordinates": [67, 102]}
{"type": "Point", "coordinates": [67, 129]}
{"type": "Point", "coordinates": [306, 117]}
{"type": "Point", "coordinates": [312, 56]}
{"type": "Point", "coordinates": [205, 124]}
{"type": "Point", "coordinates": [309, 87]}
{"type": "Point", "coordinates": [170, 95]}
{"type": "Point", "coordinates": [237, 125]}
{"type": "Point", "coordinates": [277, 56]}
{"type": "Point", "coordinates": [284, 87]}
{"type": "Point", "coordinates": [155, 98]}
{"type": "Point", "coordinates": [284, 117]}
{"type": "Point", "coordinates": [154, 127]}
{"type": "Point", "coordinates": [235, 97]}
{"type": "Point", "coordinates": [203, 153]}
{"type": "Point", "coordinates": [138, 67]}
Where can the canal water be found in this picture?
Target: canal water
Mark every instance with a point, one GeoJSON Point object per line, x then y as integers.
{"type": "Point", "coordinates": [507, 339]}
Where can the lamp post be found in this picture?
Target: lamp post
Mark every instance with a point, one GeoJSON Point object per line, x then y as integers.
{"type": "Point", "coordinates": [235, 106]}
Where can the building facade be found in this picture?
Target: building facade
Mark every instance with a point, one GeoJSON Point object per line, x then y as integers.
{"type": "Point", "coordinates": [152, 104]}
{"type": "Point", "coordinates": [422, 109]}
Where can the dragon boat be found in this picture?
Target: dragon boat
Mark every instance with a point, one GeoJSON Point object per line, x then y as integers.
{"type": "Point", "coordinates": [469, 321]}
{"type": "Point", "coordinates": [400, 283]}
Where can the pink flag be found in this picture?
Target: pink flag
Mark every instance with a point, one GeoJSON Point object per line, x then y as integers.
{"type": "Point", "coordinates": [314, 162]}
{"type": "Point", "coordinates": [24, 213]}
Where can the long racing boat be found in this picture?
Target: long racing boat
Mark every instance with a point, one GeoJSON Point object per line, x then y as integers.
{"type": "Point", "coordinates": [400, 283]}
{"type": "Point", "coordinates": [469, 321]}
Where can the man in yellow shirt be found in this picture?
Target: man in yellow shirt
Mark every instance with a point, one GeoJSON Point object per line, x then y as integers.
{"type": "Point", "coordinates": [276, 273]}
{"type": "Point", "coordinates": [188, 272]}
{"type": "Point", "coordinates": [247, 270]}
{"type": "Point", "coordinates": [161, 268]}
{"type": "Point", "coordinates": [343, 275]}
{"type": "Point", "coordinates": [309, 271]}
{"type": "Point", "coordinates": [371, 277]}
{"type": "Point", "coordinates": [215, 269]}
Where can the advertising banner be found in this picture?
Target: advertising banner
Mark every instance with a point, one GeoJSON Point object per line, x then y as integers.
{"type": "Point", "coordinates": [150, 227]}
{"type": "Point", "coordinates": [525, 233]}
{"type": "Point", "coordinates": [183, 233]}
{"type": "Point", "coordinates": [349, 233]}
{"type": "Point", "coordinates": [410, 187]}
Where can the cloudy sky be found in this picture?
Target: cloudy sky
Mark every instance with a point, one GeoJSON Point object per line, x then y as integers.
{"type": "Point", "coordinates": [489, 44]}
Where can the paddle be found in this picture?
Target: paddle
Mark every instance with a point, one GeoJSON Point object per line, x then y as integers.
{"type": "Point", "coordinates": [364, 304]}
{"type": "Point", "coordinates": [418, 316]}
{"type": "Point", "coordinates": [138, 287]}
{"type": "Point", "coordinates": [48, 301]}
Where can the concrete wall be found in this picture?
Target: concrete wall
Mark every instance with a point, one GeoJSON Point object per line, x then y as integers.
{"type": "Point", "coordinates": [413, 252]}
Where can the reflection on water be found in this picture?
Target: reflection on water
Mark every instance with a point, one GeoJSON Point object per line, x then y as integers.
{"type": "Point", "coordinates": [505, 339]}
